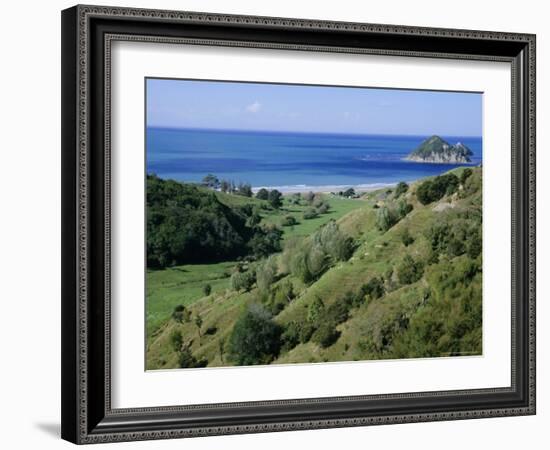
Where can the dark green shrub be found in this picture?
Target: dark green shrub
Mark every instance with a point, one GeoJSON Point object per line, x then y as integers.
{"type": "Point", "coordinates": [291, 336]}
{"type": "Point", "coordinates": [426, 193]}
{"type": "Point", "coordinates": [176, 340]}
{"type": "Point", "coordinates": [306, 331]}
{"type": "Point", "coordinates": [403, 208]}
{"type": "Point", "coordinates": [255, 338]}
{"type": "Point", "coordinates": [474, 245]}
{"type": "Point", "coordinates": [338, 312]}
{"type": "Point", "coordinates": [406, 237]}
{"type": "Point", "coordinates": [439, 236]}
{"type": "Point", "coordinates": [315, 311]}
{"type": "Point", "coordinates": [401, 188]}
{"type": "Point", "coordinates": [210, 331]}
{"type": "Point", "coordinates": [409, 271]}
{"type": "Point", "coordinates": [179, 313]}
{"type": "Point", "coordinates": [266, 240]}
{"type": "Point", "coordinates": [289, 221]}
{"type": "Point", "coordinates": [262, 194]}
{"type": "Point", "coordinates": [242, 281]}
{"type": "Point", "coordinates": [455, 247]}
{"type": "Point", "coordinates": [283, 295]}
{"type": "Point", "coordinates": [310, 213]}
{"type": "Point", "coordinates": [374, 289]}
{"type": "Point", "coordinates": [323, 208]}
{"type": "Point", "coordinates": [253, 219]}
{"type": "Point", "coordinates": [432, 190]}
{"type": "Point", "coordinates": [275, 199]}
{"type": "Point", "coordinates": [353, 299]}
{"type": "Point", "coordinates": [451, 183]}
{"type": "Point", "coordinates": [207, 289]}
{"type": "Point", "coordinates": [188, 361]}
{"type": "Point", "coordinates": [275, 307]}
{"type": "Point", "coordinates": [349, 192]}
{"type": "Point", "coordinates": [464, 175]}
{"type": "Point", "coordinates": [325, 335]}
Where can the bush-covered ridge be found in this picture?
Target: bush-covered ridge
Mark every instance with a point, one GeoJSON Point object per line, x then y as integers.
{"type": "Point", "coordinates": [357, 289]}
{"type": "Point", "coordinates": [187, 223]}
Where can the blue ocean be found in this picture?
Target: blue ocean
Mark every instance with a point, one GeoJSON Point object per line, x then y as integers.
{"type": "Point", "coordinates": [291, 161]}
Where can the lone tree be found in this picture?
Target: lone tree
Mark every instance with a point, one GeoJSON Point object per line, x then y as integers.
{"type": "Point", "coordinates": [275, 199]}
{"type": "Point", "coordinates": [207, 289]}
{"type": "Point", "coordinates": [256, 338]}
{"type": "Point", "coordinates": [211, 181]}
{"type": "Point", "coordinates": [349, 192]}
{"type": "Point", "coordinates": [262, 194]}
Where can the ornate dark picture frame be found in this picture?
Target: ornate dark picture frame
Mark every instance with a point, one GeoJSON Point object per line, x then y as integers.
{"type": "Point", "coordinates": [87, 33]}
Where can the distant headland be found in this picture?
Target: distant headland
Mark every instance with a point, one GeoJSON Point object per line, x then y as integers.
{"type": "Point", "coordinates": [438, 151]}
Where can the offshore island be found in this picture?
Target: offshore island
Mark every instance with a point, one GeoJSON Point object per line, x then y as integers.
{"type": "Point", "coordinates": [438, 151]}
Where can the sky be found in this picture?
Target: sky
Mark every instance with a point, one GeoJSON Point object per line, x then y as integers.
{"type": "Point", "coordinates": [299, 108]}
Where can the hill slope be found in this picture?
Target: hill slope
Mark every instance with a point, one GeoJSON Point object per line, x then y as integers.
{"type": "Point", "coordinates": [410, 286]}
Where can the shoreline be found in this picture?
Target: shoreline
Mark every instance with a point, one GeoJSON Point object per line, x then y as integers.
{"type": "Point", "coordinates": [325, 189]}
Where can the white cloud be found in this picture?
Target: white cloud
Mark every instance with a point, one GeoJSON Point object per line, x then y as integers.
{"type": "Point", "coordinates": [254, 107]}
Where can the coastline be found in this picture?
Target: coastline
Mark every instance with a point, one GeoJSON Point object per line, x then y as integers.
{"type": "Point", "coordinates": [326, 189]}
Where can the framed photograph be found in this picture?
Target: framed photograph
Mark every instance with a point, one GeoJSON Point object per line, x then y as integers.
{"type": "Point", "coordinates": [278, 224]}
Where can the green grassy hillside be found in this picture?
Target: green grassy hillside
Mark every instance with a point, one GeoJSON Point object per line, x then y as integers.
{"type": "Point", "coordinates": [386, 276]}
{"type": "Point", "coordinates": [183, 284]}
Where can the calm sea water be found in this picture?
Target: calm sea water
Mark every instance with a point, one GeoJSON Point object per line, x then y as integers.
{"type": "Point", "coordinates": [291, 160]}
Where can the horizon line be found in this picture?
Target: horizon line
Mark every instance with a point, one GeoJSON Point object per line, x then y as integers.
{"type": "Point", "coordinates": [168, 127]}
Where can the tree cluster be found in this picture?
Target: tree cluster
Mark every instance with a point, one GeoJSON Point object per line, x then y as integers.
{"type": "Point", "coordinates": [273, 197]}
{"type": "Point", "coordinates": [308, 258]}
{"type": "Point", "coordinates": [317, 205]}
{"type": "Point", "coordinates": [228, 186]}
{"type": "Point", "coordinates": [435, 189]}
